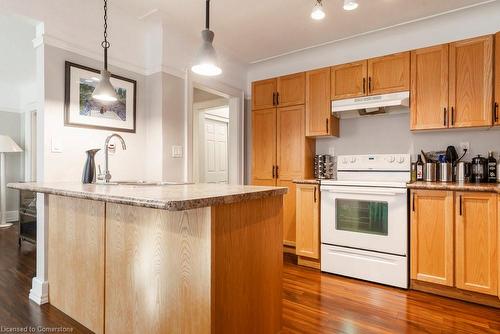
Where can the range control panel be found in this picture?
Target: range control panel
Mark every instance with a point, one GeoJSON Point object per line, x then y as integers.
{"type": "Point", "coordinates": [379, 162]}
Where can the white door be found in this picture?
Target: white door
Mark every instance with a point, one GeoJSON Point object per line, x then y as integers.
{"type": "Point", "coordinates": [216, 151]}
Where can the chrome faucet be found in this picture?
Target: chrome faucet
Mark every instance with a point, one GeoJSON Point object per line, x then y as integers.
{"type": "Point", "coordinates": [107, 175]}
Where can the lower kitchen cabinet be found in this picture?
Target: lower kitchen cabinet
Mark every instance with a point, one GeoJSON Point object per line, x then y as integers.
{"type": "Point", "coordinates": [308, 242]}
{"type": "Point", "coordinates": [432, 236]}
{"type": "Point", "coordinates": [454, 244]}
{"type": "Point", "coordinates": [476, 263]}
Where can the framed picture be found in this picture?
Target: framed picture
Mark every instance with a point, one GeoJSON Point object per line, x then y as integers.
{"type": "Point", "coordinates": [81, 110]}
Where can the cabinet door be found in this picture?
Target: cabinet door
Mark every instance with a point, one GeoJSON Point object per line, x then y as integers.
{"type": "Point", "coordinates": [476, 242]}
{"type": "Point", "coordinates": [263, 146]}
{"type": "Point", "coordinates": [307, 203]}
{"type": "Point", "coordinates": [389, 74]}
{"type": "Point", "coordinates": [291, 90]}
{"type": "Point", "coordinates": [432, 236]}
{"type": "Point", "coordinates": [471, 82]}
{"type": "Point", "coordinates": [497, 80]}
{"type": "Point", "coordinates": [429, 88]}
{"type": "Point", "coordinates": [349, 80]}
{"type": "Point", "coordinates": [263, 94]}
{"type": "Point", "coordinates": [319, 121]}
{"type": "Point", "coordinates": [290, 146]}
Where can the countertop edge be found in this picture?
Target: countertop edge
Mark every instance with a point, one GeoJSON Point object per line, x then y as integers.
{"type": "Point", "coordinates": [453, 186]}
{"type": "Point", "coordinates": [170, 205]}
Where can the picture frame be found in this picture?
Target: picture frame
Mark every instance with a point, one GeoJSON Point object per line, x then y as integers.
{"type": "Point", "coordinates": [81, 110]}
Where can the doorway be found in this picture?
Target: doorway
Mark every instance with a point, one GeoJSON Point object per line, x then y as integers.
{"type": "Point", "coordinates": [210, 137]}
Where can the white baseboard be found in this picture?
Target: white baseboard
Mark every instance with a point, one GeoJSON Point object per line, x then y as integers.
{"type": "Point", "coordinates": [39, 292]}
{"type": "Point", "coordinates": [11, 216]}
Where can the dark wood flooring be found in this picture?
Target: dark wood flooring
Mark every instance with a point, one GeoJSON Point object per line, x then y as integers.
{"type": "Point", "coordinates": [312, 302]}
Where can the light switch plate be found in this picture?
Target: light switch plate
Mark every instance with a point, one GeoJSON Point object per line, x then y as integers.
{"type": "Point", "coordinates": [56, 145]}
{"type": "Point", "coordinates": [176, 151]}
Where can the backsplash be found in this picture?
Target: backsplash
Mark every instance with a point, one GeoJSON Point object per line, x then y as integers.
{"type": "Point", "coordinates": [391, 134]}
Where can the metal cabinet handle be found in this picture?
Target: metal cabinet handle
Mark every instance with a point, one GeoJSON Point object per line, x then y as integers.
{"type": "Point", "coordinates": [274, 168]}
{"type": "Point", "coordinates": [495, 112]}
{"type": "Point", "coordinates": [369, 84]}
{"type": "Point", "coordinates": [274, 98]}
{"type": "Point", "coordinates": [277, 173]}
{"type": "Point", "coordinates": [413, 203]}
{"type": "Point", "coordinates": [277, 98]}
{"type": "Point", "coordinates": [445, 116]}
{"type": "Point", "coordinates": [314, 194]}
{"type": "Point", "coordinates": [364, 85]}
{"type": "Point", "coordinates": [452, 116]}
{"type": "Point", "coordinates": [460, 205]}
{"type": "Point", "coordinates": [327, 127]}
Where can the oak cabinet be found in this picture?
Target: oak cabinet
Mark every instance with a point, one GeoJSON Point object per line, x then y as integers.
{"type": "Point", "coordinates": [308, 242]}
{"type": "Point", "coordinates": [471, 82]}
{"type": "Point", "coordinates": [389, 74]}
{"type": "Point", "coordinates": [429, 88]}
{"type": "Point", "coordinates": [432, 236]}
{"type": "Point", "coordinates": [349, 80]}
{"type": "Point", "coordinates": [319, 120]}
{"type": "Point", "coordinates": [496, 107]}
{"type": "Point", "coordinates": [291, 90]}
{"type": "Point", "coordinates": [264, 147]}
{"type": "Point", "coordinates": [476, 262]}
{"type": "Point", "coordinates": [264, 94]}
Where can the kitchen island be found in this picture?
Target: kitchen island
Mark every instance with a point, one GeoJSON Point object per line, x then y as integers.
{"type": "Point", "coordinates": [198, 258]}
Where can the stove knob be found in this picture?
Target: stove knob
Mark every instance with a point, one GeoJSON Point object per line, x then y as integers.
{"type": "Point", "coordinates": [391, 159]}
{"type": "Point", "coordinates": [401, 160]}
{"type": "Point", "coordinates": [353, 160]}
{"type": "Point", "coordinates": [344, 161]}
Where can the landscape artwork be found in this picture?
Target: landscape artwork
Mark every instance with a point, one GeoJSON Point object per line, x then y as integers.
{"type": "Point", "coordinates": [82, 110]}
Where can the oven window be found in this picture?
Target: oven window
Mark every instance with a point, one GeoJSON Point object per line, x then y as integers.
{"type": "Point", "coordinates": [361, 216]}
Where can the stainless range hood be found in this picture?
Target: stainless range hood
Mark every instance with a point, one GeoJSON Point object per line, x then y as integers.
{"type": "Point", "coordinates": [394, 103]}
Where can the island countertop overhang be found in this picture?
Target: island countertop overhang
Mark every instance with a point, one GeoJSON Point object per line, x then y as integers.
{"type": "Point", "coordinates": [165, 197]}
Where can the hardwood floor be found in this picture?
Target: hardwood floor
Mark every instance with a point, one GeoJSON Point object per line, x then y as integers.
{"type": "Point", "coordinates": [312, 302]}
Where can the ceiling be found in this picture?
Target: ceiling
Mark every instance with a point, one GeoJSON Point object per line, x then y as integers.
{"type": "Point", "coordinates": [258, 29]}
{"type": "Point", "coordinates": [200, 95]}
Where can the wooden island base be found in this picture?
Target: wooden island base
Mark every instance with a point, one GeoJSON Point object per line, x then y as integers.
{"type": "Point", "coordinates": [126, 269]}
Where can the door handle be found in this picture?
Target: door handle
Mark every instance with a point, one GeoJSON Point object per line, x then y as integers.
{"type": "Point", "coordinates": [413, 203]}
{"type": "Point", "coordinates": [495, 112]}
{"type": "Point", "coordinates": [369, 84]}
{"type": "Point", "coordinates": [460, 205]}
{"type": "Point", "coordinates": [327, 127]}
{"type": "Point", "coordinates": [277, 98]}
{"type": "Point", "coordinates": [277, 173]}
{"type": "Point", "coordinates": [274, 98]}
{"type": "Point", "coordinates": [364, 85]}
{"type": "Point", "coordinates": [452, 116]}
{"type": "Point", "coordinates": [445, 117]}
{"type": "Point", "coordinates": [274, 167]}
{"type": "Point", "coordinates": [315, 194]}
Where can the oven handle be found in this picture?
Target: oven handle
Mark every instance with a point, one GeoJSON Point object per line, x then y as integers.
{"type": "Point", "coordinates": [392, 192]}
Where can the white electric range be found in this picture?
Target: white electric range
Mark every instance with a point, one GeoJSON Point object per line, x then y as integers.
{"type": "Point", "coordinates": [364, 219]}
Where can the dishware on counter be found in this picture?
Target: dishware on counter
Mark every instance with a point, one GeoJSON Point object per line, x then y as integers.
{"type": "Point", "coordinates": [463, 171]}
{"type": "Point", "coordinates": [430, 171]}
{"type": "Point", "coordinates": [325, 166]}
{"type": "Point", "coordinates": [89, 172]}
{"type": "Point", "coordinates": [445, 172]}
{"type": "Point", "coordinates": [492, 168]}
{"type": "Point", "coordinates": [479, 169]}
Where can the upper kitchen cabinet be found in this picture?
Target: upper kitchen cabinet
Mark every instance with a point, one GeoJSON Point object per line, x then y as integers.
{"type": "Point", "coordinates": [429, 88]}
{"type": "Point", "coordinates": [471, 82]}
{"type": "Point", "coordinates": [291, 90]}
{"type": "Point", "coordinates": [496, 114]}
{"type": "Point", "coordinates": [389, 74]}
{"type": "Point", "coordinates": [349, 80]}
{"type": "Point", "coordinates": [264, 94]}
{"type": "Point", "coordinates": [264, 147]}
{"type": "Point", "coordinates": [476, 241]}
{"type": "Point", "coordinates": [319, 120]}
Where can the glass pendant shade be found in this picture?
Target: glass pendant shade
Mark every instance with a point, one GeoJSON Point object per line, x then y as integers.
{"type": "Point", "coordinates": [104, 91]}
{"type": "Point", "coordinates": [318, 13]}
{"type": "Point", "coordinates": [206, 60]}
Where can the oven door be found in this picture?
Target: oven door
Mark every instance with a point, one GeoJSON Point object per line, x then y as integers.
{"type": "Point", "coordinates": [368, 218]}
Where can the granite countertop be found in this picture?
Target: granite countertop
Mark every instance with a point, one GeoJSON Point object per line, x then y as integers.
{"type": "Point", "coordinates": [456, 186]}
{"type": "Point", "coordinates": [306, 181]}
{"type": "Point", "coordinates": [173, 197]}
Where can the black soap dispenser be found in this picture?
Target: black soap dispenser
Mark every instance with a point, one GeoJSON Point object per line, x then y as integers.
{"type": "Point", "coordinates": [89, 173]}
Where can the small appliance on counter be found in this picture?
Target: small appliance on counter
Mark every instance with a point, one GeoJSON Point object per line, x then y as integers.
{"type": "Point", "coordinates": [479, 169]}
{"type": "Point", "coordinates": [463, 171]}
{"type": "Point", "coordinates": [325, 166]}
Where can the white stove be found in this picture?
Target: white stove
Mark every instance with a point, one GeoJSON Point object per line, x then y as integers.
{"type": "Point", "coordinates": [364, 224]}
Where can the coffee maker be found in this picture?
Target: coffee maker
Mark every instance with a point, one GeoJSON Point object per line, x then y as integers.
{"type": "Point", "coordinates": [479, 169]}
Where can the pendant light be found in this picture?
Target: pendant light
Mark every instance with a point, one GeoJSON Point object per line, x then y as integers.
{"type": "Point", "coordinates": [104, 91]}
{"type": "Point", "coordinates": [350, 4]}
{"type": "Point", "coordinates": [206, 59]}
{"type": "Point", "coordinates": [318, 13]}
